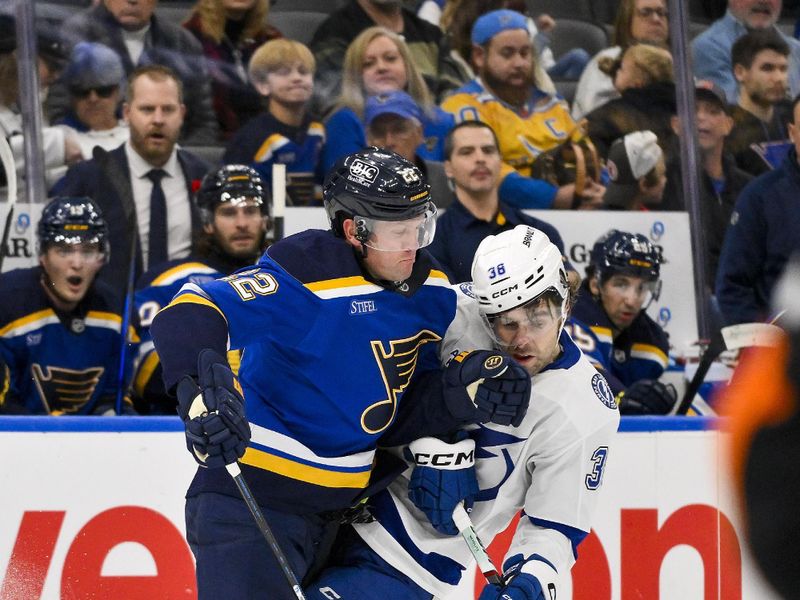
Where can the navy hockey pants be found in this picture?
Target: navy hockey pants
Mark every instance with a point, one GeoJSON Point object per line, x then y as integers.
{"type": "Point", "coordinates": [356, 572]}
{"type": "Point", "coordinates": [233, 558]}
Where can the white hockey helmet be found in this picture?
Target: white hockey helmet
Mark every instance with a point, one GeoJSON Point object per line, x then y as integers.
{"type": "Point", "coordinates": [515, 267]}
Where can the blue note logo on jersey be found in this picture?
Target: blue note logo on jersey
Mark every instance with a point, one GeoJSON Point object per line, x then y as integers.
{"type": "Point", "coordinates": [65, 390]}
{"type": "Point", "coordinates": [603, 391]}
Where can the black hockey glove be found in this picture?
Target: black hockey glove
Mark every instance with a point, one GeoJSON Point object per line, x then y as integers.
{"type": "Point", "coordinates": [444, 475]}
{"type": "Point", "coordinates": [647, 397]}
{"type": "Point", "coordinates": [212, 409]}
{"type": "Point", "coordinates": [484, 385]}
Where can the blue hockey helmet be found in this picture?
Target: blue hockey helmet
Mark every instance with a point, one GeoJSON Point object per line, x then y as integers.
{"type": "Point", "coordinates": [231, 183]}
{"type": "Point", "coordinates": [376, 185]}
{"type": "Point", "coordinates": [624, 253]}
{"type": "Point", "coordinates": [72, 220]}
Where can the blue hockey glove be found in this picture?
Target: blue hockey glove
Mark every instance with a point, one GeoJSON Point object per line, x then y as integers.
{"type": "Point", "coordinates": [212, 409]}
{"type": "Point", "coordinates": [647, 397]}
{"type": "Point", "coordinates": [444, 475]}
{"type": "Point", "coordinates": [484, 385]}
{"type": "Point", "coordinates": [517, 586]}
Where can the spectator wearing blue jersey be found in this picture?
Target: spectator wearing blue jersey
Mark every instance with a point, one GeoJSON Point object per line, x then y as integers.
{"type": "Point", "coordinates": [394, 121]}
{"type": "Point", "coordinates": [59, 327]}
{"type": "Point", "coordinates": [285, 133]}
{"type": "Point", "coordinates": [378, 61]}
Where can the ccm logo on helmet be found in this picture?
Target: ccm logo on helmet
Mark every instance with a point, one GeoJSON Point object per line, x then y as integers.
{"type": "Point", "coordinates": [363, 172]}
{"type": "Point", "coordinates": [493, 362]}
{"type": "Point", "coordinates": [505, 291]}
{"type": "Point", "coordinates": [447, 459]}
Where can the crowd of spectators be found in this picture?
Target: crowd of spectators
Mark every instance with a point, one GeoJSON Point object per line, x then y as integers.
{"type": "Point", "coordinates": [127, 94]}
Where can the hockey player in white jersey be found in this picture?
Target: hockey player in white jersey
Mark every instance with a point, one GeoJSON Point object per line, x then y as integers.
{"type": "Point", "coordinates": [550, 466]}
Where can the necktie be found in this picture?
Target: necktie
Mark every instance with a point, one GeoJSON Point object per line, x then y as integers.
{"type": "Point", "coordinates": [157, 247]}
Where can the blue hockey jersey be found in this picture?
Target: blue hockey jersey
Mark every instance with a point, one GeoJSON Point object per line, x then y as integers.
{"type": "Point", "coordinates": [639, 352]}
{"type": "Point", "coordinates": [327, 358]}
{"type": "Point", "coordinates": [58, 363]}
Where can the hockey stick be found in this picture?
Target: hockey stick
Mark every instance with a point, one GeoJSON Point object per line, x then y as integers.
{"type": "Point", "coordinates": [732, 337]}
{"type": "Point", "coordinates": [7, 159]}
{"type": "Point", "coordinates": [278, 199]}
{"type": "Point", "coordinates": [476, 547]}
{"type": "Point", "coordinates": [247, 496]}
{"type": "Point", "coordinates": [121, 185]}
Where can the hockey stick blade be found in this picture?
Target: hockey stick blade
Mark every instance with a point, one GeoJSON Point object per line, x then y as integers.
{"type": "Point", "coordinates": [244, 489]}
{"type": "Point", "coordinates": [476, 547]}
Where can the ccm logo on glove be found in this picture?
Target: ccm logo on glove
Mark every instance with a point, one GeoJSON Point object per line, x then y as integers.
{"type": "Point", "coordinates": [456, 460]}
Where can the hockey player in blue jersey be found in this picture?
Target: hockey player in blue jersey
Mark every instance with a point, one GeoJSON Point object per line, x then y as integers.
{"type": "Point", "coordinates": [339, 330]}
{"type": "Point", "coordinates": [610, 324]}
{"type": "Point", "coordinates": [235, 211]}
{"type": "Point", "coordinates": [550, 465]}
{"type": "Point", "coordinates": [59, 328]}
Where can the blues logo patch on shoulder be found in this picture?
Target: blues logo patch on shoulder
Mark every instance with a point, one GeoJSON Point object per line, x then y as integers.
{"type": "Point", "coordinates": [466, 288]}
{"type": "Point", "coordinates": [603, 391]}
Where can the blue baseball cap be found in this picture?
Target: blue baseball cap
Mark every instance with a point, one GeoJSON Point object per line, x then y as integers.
{"type": "Point", "coordinates": [392, 103]}
{"type": "Point", "coordinates": [489, 25]}
{"type": "Point", "coordinates": [93, 65]}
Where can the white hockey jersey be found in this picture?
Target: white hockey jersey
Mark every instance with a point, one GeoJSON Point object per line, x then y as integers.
{"type": "Point", "coordinates": [551, 467]}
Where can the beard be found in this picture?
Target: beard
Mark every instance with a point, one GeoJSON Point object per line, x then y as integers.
{"type": "Point", "coordinates": [513, 94]}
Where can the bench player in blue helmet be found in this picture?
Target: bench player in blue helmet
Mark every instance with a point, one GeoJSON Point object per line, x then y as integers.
{"type": "Point", "coordinates": [611, 326]}
{"type": "Point", "coordinates": [59, 328]}
{"type": "Point", "coordinates": [550, 464]}
{"type": "Point", "coordinates": [339, 332]}
{"type": "Point", "coordinates": [235, 211]}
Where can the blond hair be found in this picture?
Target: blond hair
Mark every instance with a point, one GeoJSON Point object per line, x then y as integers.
{"type": "Point", "coordinates": [353, 94]}
{"type": "Point", "coordinates": [654, 64]}
{"type": "Point", "coordinates": [212, 19]}
{"type": "Point", "coordinates": [274, 54]}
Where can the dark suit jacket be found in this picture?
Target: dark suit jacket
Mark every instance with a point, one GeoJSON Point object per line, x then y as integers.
{"type": "Point", "coordinates": [89, 178]}
{"type": "Point", "coordinates": [165, 44]}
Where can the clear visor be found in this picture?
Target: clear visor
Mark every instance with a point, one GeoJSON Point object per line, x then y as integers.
{"type": "Point", "coordinates": [398, 236]}
{"type": "Point", "coordinates": [90, 252]}
{"type": "Point", "coordinates": [536, 319]}
{"type": "Point", "coordinates": [638, 290]}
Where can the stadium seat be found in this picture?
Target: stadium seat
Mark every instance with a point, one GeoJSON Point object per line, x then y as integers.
{"type": "Point", "coordinates": [297, 25]}
{"type": "Point", "coordinates": [566, 88]}
{"type": "Point", "coordinates": [558, 9]}
{"type": "Point", "coordinates": [572, 33]}
{"type": "Point", "coordinates": [211, 154]}
{"type": "Point", "coordinates": [173, 13]}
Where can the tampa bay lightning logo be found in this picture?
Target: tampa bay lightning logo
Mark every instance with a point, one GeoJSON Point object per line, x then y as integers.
{"type": "Point", "coordinates": [600, 387]}
{"type": "Point", "coordinates": [466, 289]}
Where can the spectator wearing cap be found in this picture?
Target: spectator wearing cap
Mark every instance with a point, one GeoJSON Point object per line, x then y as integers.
{"type": "Point", "coordinates": [711, 50]}
{"type": "Point", "coordinates": [644, 78]}
{"type": "Point", "coordinates": [526, 120]}
{"type": "Point", "coordinates": [140, 38]}
{"type": "Point", "coordinates": [761, 238]}
{"type": "Point", "coordinates": [427, 46]}
{"type": "Point", "coordinates": [230, 31]}
{"type": "Point", "coordinates": [474, 167]}
{"type": "Point", "coordinates": [721, 181]}
{"type": "Point", "coordinates": [95, 80]}
{"type": "Point", "coordinates": [60, 148]}
{"type": "Point", "coordinates": [394, 121]}
{"type": "Point", "coordinates": [380, 61]}
{"type": "Point", "coordinates": [637, 173]}
{"type": "Point", "coordinates": [285, 133]}
{"type": "Point", "coordinates": [759, 140]}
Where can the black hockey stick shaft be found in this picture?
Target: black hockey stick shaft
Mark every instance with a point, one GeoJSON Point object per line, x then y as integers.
{"type": "Point", "coordinates": [714, 349]}
{"type": "Point", "coordinates": [263, 526]}
{"type": "Point", "coordinates": [10, 169]}
{"type": "Point", "coordinates": [6, 230]}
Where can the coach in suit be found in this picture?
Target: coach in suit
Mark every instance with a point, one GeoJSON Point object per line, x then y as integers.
{"type": "Point", "coordinates": [140, 37]}
{"type": "Point", "coordinates": [144, 187]}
